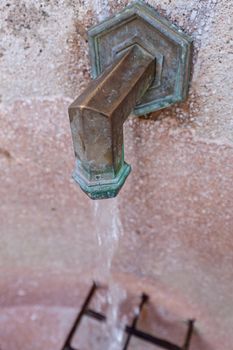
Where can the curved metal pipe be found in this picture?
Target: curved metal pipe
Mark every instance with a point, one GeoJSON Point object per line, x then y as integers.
{"type": "Point", "coordinates": [97, 118]}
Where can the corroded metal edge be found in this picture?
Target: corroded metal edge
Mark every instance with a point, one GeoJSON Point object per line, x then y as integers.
{"type": "Point", "coordinates": [106, 190]}
{"type": "Point", "coordinates": [168, 29]}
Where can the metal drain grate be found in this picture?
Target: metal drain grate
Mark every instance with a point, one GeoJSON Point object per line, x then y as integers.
{"type": "Point", "coordinates": [131, 330]}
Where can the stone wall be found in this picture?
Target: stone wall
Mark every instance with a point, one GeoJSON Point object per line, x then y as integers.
{"type": "Point", "coordinates": [175, 208]}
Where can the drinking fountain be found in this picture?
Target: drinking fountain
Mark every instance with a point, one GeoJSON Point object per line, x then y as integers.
{"type": "Point", "coordinates": [140, 64]}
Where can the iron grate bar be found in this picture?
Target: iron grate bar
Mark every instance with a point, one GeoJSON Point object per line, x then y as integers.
{"type": "Point", "coordinates": [67, 344]}
{"type": "Point", "coordinates": [98, 316]}
{"type": "Point", "coordinates": [129, 330]}
{"type": "Point", "coordinates": [189, 335]}
{"type": "Point", "coordinates": [144, 299]}
{"type": "Point", "coordinates": [164, 344]}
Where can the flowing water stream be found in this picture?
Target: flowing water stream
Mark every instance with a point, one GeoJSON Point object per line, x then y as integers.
{"type": "Point", "coordinates": [108, 232]}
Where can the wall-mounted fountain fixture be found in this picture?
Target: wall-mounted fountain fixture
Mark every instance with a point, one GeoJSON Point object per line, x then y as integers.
{"type": "Point", "coordinates": [140, 64]}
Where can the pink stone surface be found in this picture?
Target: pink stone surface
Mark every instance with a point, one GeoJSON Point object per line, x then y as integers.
{"type": "Point", "coordinates": [175, 210]}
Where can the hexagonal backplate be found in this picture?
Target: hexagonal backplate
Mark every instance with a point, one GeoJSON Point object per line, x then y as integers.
{"type": "Point", "coordinates": [141, 24]}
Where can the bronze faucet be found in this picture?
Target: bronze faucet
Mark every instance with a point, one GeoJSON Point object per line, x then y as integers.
{"type": "Point", "coordinates": [138, 71]}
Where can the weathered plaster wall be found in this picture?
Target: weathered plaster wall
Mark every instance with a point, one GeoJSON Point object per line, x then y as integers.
{"type": "Point", "coordinates": [176, 207]}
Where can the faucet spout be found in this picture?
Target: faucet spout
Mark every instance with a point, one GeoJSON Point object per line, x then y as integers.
{"type": "Point", "coordinates": [97, 118]}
